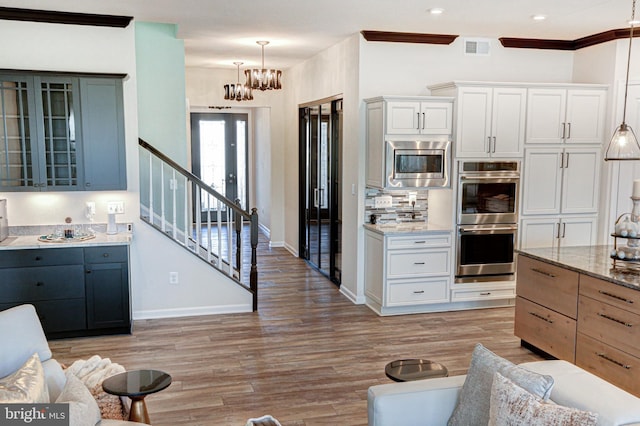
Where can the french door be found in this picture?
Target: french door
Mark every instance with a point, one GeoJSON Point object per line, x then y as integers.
{"type": "Point", "coordinates": [320, 189]}
{"type": "Point", "coordinates": [219, 157]}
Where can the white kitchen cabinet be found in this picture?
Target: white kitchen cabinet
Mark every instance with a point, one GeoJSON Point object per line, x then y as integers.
{"type": "Point", "coordinates": [558, 231]}
{"type": "Point", "coordinates": [400, 117]}
{"type": "Point", "coordinates": [565, 115]}
{"type": "Point", "coordinates": [490, 120]}
{"type": "Point", "coordinates": [411, 117]}
{"type": "Point", "coordinates": [405, 272]}
{"type": "Point", "coordinates": [560, 180]}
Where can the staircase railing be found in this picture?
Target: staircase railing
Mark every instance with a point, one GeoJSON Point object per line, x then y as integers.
{"type": "Point", "coordinates": [184, 208]}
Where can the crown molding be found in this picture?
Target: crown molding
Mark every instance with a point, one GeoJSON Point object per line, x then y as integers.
{"type": "Point", "coordinates": [395, 37]}
{"type": "Point", "coordinates": [56, 17]}
{"type": "Point", "coordinates": [580, 43]}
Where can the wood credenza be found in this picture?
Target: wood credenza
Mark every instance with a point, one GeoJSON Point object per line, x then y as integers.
{"type": "Point", "coordinates": [573, 316]}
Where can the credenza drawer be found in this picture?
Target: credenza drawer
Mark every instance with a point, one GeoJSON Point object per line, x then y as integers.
{"type": "Point", "coordinates": [405, 263]}
{"type": "Point", "coordinates": [419, 291]}
{"type": "Point", "coordinates": [610, 324]}
{"type": "Point", "coordinates": [41, 283]}
{"type": "Point", "coordinates": [613, 365]}
{"type": "Point", "coordinates": [548, 285]}
{"type": "Point", "coordinates": [612, 294]}
{"type": "Point", "coordinates": [546, 329]}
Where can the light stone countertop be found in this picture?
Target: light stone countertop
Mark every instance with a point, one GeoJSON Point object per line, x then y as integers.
{"type": "Point", "coordinates": [590, 260]}
{"type": "Point", "coordinates": [31, 242]}
{"type": "Point", "coordinates": [405, 228]}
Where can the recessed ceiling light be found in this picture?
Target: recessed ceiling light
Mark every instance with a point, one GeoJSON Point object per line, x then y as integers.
{"type": "Point", "coordinates": [539, 17]}
{"type": "Point", "coordinates": [436, 11]}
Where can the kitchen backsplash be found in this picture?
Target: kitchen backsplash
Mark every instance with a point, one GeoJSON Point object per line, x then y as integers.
{"type": "Point", "coordinates": [400, 210]}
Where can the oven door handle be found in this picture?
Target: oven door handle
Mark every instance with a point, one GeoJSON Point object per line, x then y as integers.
{"type": "Point", "coordinates": [487, 231]}
{"type": "Point", "coordinates": [496, 178]}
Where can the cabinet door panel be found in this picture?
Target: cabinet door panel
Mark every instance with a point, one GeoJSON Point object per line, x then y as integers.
{"type": "Point", "coordinates": [538, 232]}
{"type": "Point", "coordinates": [403, 117]}
{"type": "Point", "coordinates": [41, 283]}
{"type": "Point", "coordinates": [548, 330]}
{"type": "Point", "coordinates": [437, 118]}
{"type": "Point", "coordinates": [418, 292]}
{"type": "Point", "coordinates": [545, 115]}
{"type": "Point", "coordinates": [612, 294]}
{"type": "Point", "coordinates": [542, 182]}
{"type": "Point", "coordinates": [58, 315]}
{"type": "Point", "coordinates": [578, 231]}
{"type": "Point", "coordinates": [107, 292]}
{"type": "Point", "coordinates": [580, 180]}
{"type": "Point", "coordinates": [474, 104]}
{"type": "Point", "coordinates": [418, 263]}
{"type": "Point", "coordinates": [103, 134]}
{"type": "Point", "coordinates": [375, 146]}
{"type": "Point", "coordinates": [585, 116]}
{"type": "Point", "coordinates": [508, 122]}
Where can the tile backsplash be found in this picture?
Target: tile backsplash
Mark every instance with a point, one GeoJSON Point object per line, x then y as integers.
{"type": "Point", "coordinates": [401, 209]}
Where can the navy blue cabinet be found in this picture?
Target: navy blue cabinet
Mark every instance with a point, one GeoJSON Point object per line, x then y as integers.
{"type": "Point", "coordinates": [76, 291]}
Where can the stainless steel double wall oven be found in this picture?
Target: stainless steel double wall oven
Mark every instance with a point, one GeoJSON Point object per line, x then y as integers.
{"type": "Point", "coordinates": [487, 220]}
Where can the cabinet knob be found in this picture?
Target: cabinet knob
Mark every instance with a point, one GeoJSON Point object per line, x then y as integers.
{"type": "Point", "coordinates": [105, 254]}
{"type": "Point", "coordinates": [39, 284]}
{"type": "Point", "coordinates": [87, 184]}
{"type": "Point", "coordinates": [88, 271]}
{"type": "Point", "coordinates": [38, 258]}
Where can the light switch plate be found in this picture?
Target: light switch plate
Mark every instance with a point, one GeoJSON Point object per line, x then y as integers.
{"type": "Point", "coordinates": [115, 207]}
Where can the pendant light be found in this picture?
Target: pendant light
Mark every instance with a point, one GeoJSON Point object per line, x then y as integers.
{"type": "Point", "coordinates": [264, 79]}
{"type": "Point", "coordinates": [237, 91]}
{"type": "Point", "coordinates": [624, 144]}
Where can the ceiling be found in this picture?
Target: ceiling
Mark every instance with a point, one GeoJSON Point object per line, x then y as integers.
{"type": "Point", "coordinates": [218, 32]}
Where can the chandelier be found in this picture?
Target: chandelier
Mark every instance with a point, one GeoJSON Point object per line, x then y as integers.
{"type": "Point", "coordinates": [237, 91]}
{"type": "Point", "coordinates": [264, 79]}
{"type": "Point", "coordinates": [624, 144]}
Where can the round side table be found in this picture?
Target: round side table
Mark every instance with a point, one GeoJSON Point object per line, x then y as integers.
{"type": "Point", "coordinates": [405, 370]}
{"type": "Point", "coordinates": [136, 385]}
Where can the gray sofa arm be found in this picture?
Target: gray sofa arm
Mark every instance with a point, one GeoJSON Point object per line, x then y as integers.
{"type": "Point", "coordinates": [421, 402]}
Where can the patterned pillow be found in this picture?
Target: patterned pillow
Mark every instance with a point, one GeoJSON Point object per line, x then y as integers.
{"type": "Point", "coordinates": [27, 385]}
{"type": "Point", "coordinates": [474, 401]}
{"type": "Point", "coordinates": [83, 408]}
{"type": "Point", "coordinates": [512, 405]}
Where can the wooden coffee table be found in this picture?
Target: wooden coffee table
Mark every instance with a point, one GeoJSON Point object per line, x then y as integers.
{"type": "Point", "coordinates": [136, 385]}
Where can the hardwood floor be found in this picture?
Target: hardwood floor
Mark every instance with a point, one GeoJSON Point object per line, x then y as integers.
{"type": "Point", "coordinates": [307, 357]}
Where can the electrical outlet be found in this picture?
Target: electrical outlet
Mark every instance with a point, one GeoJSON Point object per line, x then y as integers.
{"type": "Point", "coordinates": [413, 196]}
{"type": "Point", "coordinates": [173, 278]}
{"type": "Point", "coordinates": [90, 208]}
{"type": "Point", "coordinates": [115, 207]}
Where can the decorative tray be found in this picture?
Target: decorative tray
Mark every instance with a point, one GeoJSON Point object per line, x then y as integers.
{"type": "Point", "coordinates": [51, 238]}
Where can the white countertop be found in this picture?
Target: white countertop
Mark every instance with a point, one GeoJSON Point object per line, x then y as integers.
{"type": "Point", "coordinates": [32, 242]}
{"type": "Point", "coordinates": [406, 228]}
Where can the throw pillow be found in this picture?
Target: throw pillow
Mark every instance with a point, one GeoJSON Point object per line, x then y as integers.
{"type": "Point", "coordinates": [473, 403]}
{"type": "Point", "coordinates": [83, 408]}
{"type": "Point", "coordinates": [26, 385]}
{"type": "Point", "coordinates": [511, 405]}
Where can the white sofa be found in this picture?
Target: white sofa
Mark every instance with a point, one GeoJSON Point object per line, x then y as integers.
{"type": "Point", "coordinates": [432, 401]}
{"type": "Point", "coordinates": [21, 335]}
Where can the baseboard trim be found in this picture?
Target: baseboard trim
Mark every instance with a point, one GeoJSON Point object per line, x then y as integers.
{"type": "Point", "coordinates": [191, 312]}
{"type": "Point", "coordinates": [351, 296]}
{"type": "Point", "coordinates": [291, 249]}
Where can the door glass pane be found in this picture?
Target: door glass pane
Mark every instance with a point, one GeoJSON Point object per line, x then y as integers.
{"type": "Point", "coordinates": [15, 139]}
{"type": "Point", "coordinates": [212, 158]}
{"type": "Point", "coordinates": [241, 166]}
{"type": "Point", "coordinates": [59, 134]}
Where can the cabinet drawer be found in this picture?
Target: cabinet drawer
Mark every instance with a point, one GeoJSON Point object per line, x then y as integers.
{"type": "Point", "coordinates": [418, 292]}
{"type": "Point", "coordinates": [548, 330]}
{"type": "Point", "coordinates": [486, 294]}
{"type": "Point", "coordinates": [418, 241]}
{"type": "Point", "coordinates": [41, 283]}
{"type": "Point", "coordinates": [106, 254]}
{"type": "Point", "coordinates": [613, 294]}
{"type": "Point", "coordinates": [41, 257]}
{"type": "Point", "coordinates": [617, 367]}
{"type": "Point", "coordinates": [612, 325]}
{"type": "Point", "coordinates": [548, 285]}
{"type": "Point", "coordinates": [58, 315]}
{"type": "Point", "coordinates": [418, 263]}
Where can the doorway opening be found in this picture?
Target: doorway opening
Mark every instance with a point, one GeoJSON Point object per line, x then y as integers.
{"type": "Point", "coordinates": [320, 127]}
{"type": "Point", "coordinates": [219, 157]}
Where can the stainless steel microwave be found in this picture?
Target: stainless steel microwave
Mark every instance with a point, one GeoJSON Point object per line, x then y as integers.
{"type": "Point", "coordinates": [418, 164]}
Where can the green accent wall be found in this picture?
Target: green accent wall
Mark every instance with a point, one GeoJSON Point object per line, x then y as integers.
{"type": "Point", "coordinates": [160, 78]}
